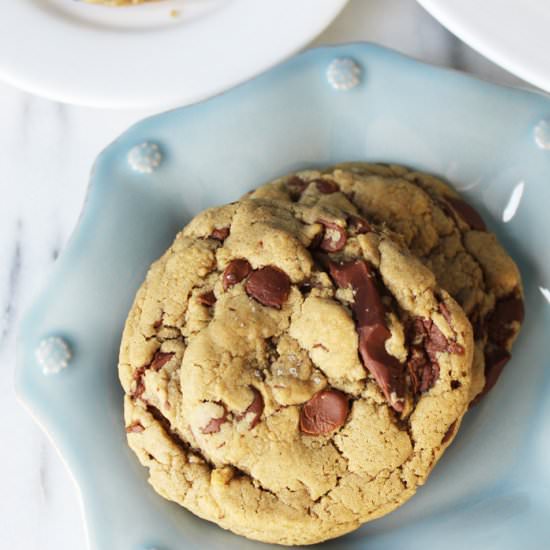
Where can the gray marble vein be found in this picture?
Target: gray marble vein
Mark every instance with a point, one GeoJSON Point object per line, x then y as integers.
{"type": "Point", "coordinates": [11, 293]}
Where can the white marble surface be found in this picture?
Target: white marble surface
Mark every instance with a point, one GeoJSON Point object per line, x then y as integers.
{"type": "Point", "coordinates": [46, 152]}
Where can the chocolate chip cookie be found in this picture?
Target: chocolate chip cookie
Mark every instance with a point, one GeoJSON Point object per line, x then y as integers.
{"type": "Point", "coordinates": [290, 372]}
{"type": "Point", "coordinates": [441, 229]}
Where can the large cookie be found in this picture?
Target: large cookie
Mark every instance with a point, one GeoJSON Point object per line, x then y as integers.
{"type": "Point", "coordinates": [445, 232]}
{"type": "Point", "coordinates": [290, 373]}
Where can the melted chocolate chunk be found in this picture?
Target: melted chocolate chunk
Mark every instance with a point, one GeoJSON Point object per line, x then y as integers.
{"type": "Point", "coordinates": [500, 332]}
{"type": "Point", "coordinates": [449, 433]}
{"type": "Point", "coordinates": [134, 428]}
{"type": "Point", "coordinates": [427, 340]}
{"type": "Point", "coordinates": [159, 360]}
{"type": "Point", "coordinates": [215, 424]}
{"type": "Point", "coordinates": [325, 412]}
{"type": "Point", "coordinates": [296, 186]}
{"type": "Point", "coordinates": [334, 237]}
{"type": "Point", "coordinates": [256, 407]}
{"type": "Point", "coordinates": [207, 299]}
{"type": "Point", "coordinates": [368, 307]}
{"type": "Point", "coordinates": [326, 187]}
{"type": "Point", "coordinates": [507, 311]}
{"type": "Point", "coordinates": [446, 313]}
{"type": "Point", "coordinates": [467, 213]}
{"type": "Point", "coordinates": [437, 341]}
{"type": "Point", "coordinates": [269, 285]}
{"type": "Point", "coordinates": [140, 385]}
{"type": "Point", "coordinates": [370, 319]}
{"type": "Point", "coordinates": [495, 361]}
{"type": "Point", "coordinates": [479, 326]}
{"type": "Point", "coordinates": [358, 226]}
{"type": "Point", "coordinates": [235, 272]}
{"type": "Point", "coordinates": [220, 234]}
{"type": "Point", "coordinates": [422, 371]}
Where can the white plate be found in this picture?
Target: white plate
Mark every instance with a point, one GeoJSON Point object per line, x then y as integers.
{"type": "Point", "coordinates": [156, 55]}
{"type": "Point", "coordinates": [515, 34]}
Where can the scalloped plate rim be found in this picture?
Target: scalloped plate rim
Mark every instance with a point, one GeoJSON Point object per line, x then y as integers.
{"type": "Point", "coordinates": [95, 191]}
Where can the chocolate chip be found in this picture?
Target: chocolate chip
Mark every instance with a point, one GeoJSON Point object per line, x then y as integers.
{"type": "Point", "coordinates": [134, 428]}
{"type": "Point", "coordinates": [422, 371]}
{"type": "Point", "coordinates": [269, 285]}
{"type": "Point", "coordinates": [215, 424]}
{"type": "Point", "coordinates": [326, 186]}
{"type": "Point", "coordinates": [427, 332]}
{"type": "Point", "coordinates": [435, 341]}
{"type": "Point", "coordinates": [446, 313]}
{"type": "Point", "coordinates": [220, 234]}
{"type": "Point", "coordinates": [140, 385]}
{"type": "Point", "coordinates": [358, 226]}
{"type": "Point", "coordinates": [159, 360]}
{"type": "Point", "coordinates": [479, 326]}
{"type": "Point", "coordinates": [467, 213]}
{"type": "Point", "coordinates": [507, 311]}
{"type": "Point", "coordinates": [334, 237]}
{"type": "Point", "coordinates": [427, 341]}
{"type": "Point", "coordinates": [452, 345]}
{"type": "Point", "coordinates": [449, 433]}
{"type": "Point", "coordinates": [256, 407]}
{"type": "Point", "coordinates": [325, 412]}
{"type": "Point", "coordinates": [386, 369]}
{"type": "Point", "coordinates": [235, 272]}
{"type": "Point", "coordinates": [297, 185]}
{"type": "Point", "coordinates": [207, 299]}
{"type": "Point", "coordinates": [370, 318]}
{"type": "Point", "coordinates": [495, 360]}
{"type": "Point", "coordinates": [368, 307]}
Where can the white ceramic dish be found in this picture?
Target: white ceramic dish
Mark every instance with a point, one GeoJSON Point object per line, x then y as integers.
{"type": "Point", "coordinates": [514, 34]}
{"type": "Point", "coordinates": [161, 54]}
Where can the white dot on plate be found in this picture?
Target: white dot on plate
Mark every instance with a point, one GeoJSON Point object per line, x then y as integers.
{"type": "Point", "coordinates": [145, 157]}
{"type": "Point", "coordinates": [513, 202]}
{"type": "Point", "coordinates": [343, 73]}
{"type": "Point", "coordinates": [542, 134]}
{"type": "Point", "coordinates": [53, 354]}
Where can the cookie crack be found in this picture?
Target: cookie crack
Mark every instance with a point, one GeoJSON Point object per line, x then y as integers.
{"type": "Point", "coordinates": [175, 437]}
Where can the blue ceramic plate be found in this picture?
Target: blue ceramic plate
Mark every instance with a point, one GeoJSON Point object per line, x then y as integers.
{"type": "Point", "coordinates": [492, 488]}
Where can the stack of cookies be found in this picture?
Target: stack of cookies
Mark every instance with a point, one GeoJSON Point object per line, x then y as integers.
{"type": "Point", "coordinates": [298, 361]}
